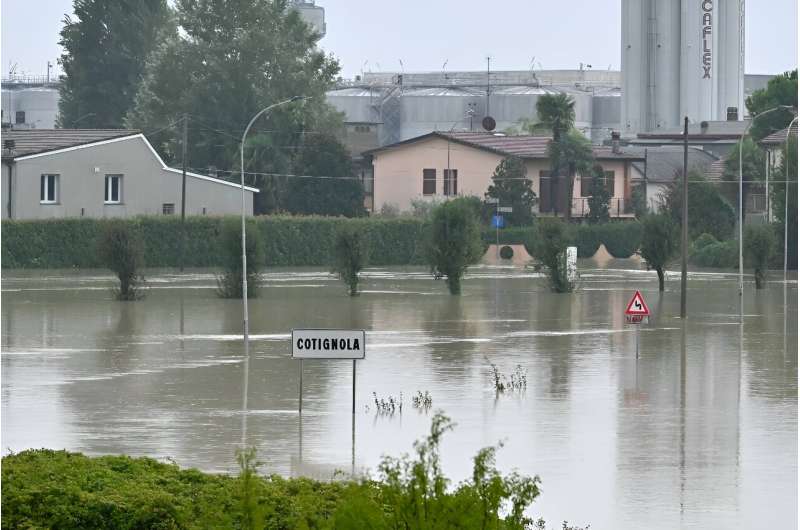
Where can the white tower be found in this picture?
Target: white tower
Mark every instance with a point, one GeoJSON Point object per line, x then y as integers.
{"type": "Point", "coordinates": [681, 58]}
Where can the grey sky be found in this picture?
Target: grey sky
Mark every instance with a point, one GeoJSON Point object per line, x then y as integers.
{"type": "Point", "coordinates": [425, 33]}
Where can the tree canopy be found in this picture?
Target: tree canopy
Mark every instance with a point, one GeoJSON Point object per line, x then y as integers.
{"type": "Point", "coordinates": [556, 112]}
{"type": "Point", "coordinates": [453, 240]}
{"type": "Point", "coordinates": [228, 61]}
{"type": "Point", "coordinates": [781, 90]}
{"type": "Point", "coordinates": [512, 187]}
{"type": "Point", "coordinates": [659, 242]}
{"type": "Point", "coordinates": [105, 46]}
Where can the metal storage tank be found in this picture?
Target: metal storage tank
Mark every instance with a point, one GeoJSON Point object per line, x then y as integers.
{"type": "Point", "coordinates": [40, 105]}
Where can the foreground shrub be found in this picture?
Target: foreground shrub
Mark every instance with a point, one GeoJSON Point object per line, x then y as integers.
{"type": "Point", "coordinates": [229, 283]}
{"type": "Point", "coordinates": [551, 251]}
{"type": "Point", "coordinates": [120, 249]}
{"type": "Point", "coordinates": [350, 255]}
{"type": "Point", "coordinates": [453, 241]}
{"type": "Point", "coordinates": [57, 489]}
{"type": "Point", "coordinates": [659, 243]}
{"type": "Point", "coordinates": [758, 246]}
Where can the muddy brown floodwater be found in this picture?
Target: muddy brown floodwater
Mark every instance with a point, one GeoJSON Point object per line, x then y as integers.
{"type": "Point", "coordinates": [701, 432]}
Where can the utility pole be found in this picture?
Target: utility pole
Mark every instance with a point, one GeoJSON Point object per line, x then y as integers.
{"type": "Point", "coordinates": [685, 224]}
{"type": "Point", "coordinates": [488, 84]}
{"type": "Point", "coordinates": [183, 192]}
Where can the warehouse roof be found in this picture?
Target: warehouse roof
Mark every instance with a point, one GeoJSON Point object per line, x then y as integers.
{"type": "Point", "coordinates": [35, 141]}
{"type": "Point", "coordinates": [523, 146]}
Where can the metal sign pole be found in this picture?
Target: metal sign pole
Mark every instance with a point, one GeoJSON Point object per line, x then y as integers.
{"type": "Point", "coordinates": [637, 342]}
{"type": "Point", "coordinates": [300, 407]}
{"type": "Point", "coordinates": [354, 387]}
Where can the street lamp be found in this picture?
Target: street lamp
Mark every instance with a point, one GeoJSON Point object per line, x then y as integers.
{"type": "Point", "coordinates": [740, 220]}
{"type": "Point", "coordinates": [244, 241]}
{"type": "Point", "coordinates": [786, 205]}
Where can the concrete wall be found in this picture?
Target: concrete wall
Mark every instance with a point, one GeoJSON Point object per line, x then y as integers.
{"type": "Point", "coordinates": [146, 185]}
{"type": "Point", "coordinates": [398, 173]}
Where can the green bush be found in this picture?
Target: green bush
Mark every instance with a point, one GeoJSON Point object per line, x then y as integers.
{"type": "Point", "coordinates": [758, 247]}
{"type": "Point", "coordinates": [288, 241]}
{"type": "Point", "coordinates": [659, 243]}
{"type": "Point", "coordinates": [229, 283]}
{"type": "Point", "coordinates": [551, 250]}
{"type": "Point", "coordinates": [57, 489]}
{"type": "Point", "coordinates": [350, 255]}
{"type": "Point", "coordinates": [120, 249]}
{"type": "Point", "coordinates": [621, 238]}
{"type": "Point", "coordinates": [453, 241]}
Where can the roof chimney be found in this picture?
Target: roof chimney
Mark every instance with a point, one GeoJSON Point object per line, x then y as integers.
{"type": "Point", "coordinates": [615, 142]}
{"type": "Point", "coordinates": [733, 114]}
{"type": "Point", "coordinates": [703, 127]}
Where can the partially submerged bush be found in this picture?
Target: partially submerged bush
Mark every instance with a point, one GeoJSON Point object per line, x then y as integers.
{"type": "Point", "coordinates": [551, 251]}
{"type": "Point", "coordinates": [659, 243]}
{"type": "Point", "coordinates": [121, 250]}
{"type": "Point", "coordinates": [453, 241]}
{"type": "Point", "coordinates": [708, 252]}
{"type": "Point", "coordinates": [350, 255]}
{"type": "Point", "coordinates": [758, 247]}
{"type": "Point", "coordinates": [229, 283]}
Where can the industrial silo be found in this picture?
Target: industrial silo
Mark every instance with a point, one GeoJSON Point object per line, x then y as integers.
{"type": "Point", "coordinates": [680, 58]}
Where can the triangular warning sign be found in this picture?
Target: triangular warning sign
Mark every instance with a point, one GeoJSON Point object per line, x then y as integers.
{"type": "Point", "coordinates": [637, 306]}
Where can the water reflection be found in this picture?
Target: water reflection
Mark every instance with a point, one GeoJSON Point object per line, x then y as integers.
{"type": "Point", "coordinates": [700, 431]}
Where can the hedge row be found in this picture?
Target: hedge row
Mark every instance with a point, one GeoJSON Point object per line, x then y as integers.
{"type": "Point", "coordinates": [289, 241]}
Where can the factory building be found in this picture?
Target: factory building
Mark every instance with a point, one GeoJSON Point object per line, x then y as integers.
{"type": "Point", "coordinates": [681, 58]}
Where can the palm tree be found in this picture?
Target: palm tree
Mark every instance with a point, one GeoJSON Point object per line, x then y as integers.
{"type": "Point", "coordinates": [557, 112]}
{"type": "Point", "coordinates": [569, 149]}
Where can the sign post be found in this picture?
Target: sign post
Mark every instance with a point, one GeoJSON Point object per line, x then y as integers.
{"type": "Point", "coordinates": [328, 344]}
{"type": "Point", "coordinates": [635, 313]}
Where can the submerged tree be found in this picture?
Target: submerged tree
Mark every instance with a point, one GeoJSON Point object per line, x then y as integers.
{"type": "Point", "coordinates": [121, 250]}
{"type": "Point", "coordinates": [229, 283]}
{"type": "Point", "coordinates": [453, 241]}
{"type": "Point", "coordinates": [659, 242]}
{"type": "Point", "coordinates": [551, 250]}
{"type": "Point", "coordinates": [350, 254]}
{"type": "Point", "coordinates": [758, 247]}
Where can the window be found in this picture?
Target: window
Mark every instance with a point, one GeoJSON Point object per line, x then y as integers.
{"type": "Point", "coordinates": [451, 182]}
{"type": "Point", "coordinates": [113, 189]}
{"type": "Point", "coordinates": [429, 182]}
{"type": "Point", "coordinates": [168, 208]}
{"type": "Point", "coordinates": [20, 117]}
{"type": "Point", "coordinates": [49, 189]}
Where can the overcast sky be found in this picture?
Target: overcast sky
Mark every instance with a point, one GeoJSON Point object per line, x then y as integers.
{"type": "Point", "coordinates": [378, 34]}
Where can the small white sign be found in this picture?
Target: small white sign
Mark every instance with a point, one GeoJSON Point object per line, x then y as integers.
{"type": "Point", "coordinates": [328, 344]}
{"type": "Point", "coordinates": [572, 263]}
{"type": "Point", "coordinates": [505, 209]}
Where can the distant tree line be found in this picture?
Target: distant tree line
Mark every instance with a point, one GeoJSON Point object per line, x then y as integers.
{"type": "Point", "coordinates": [145, 64]}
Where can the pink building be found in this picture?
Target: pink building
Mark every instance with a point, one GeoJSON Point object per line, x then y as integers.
{"type": "Point", "coordinates": [439, 165]}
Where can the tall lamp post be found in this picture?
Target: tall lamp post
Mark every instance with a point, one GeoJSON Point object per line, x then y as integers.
{"type": "Point", "coordinates": [786, 205]}
{"type": "Point", "coordinates": [244, 240]}
{"type": "Point", "coordinates": [740, 220]}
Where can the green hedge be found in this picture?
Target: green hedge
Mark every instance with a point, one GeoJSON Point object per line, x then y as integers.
{"type": "Point", "coordinates": [289, 241]}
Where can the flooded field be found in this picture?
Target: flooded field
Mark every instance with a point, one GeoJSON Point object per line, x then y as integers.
{"type": "Point", "coordinates": [700, 432]}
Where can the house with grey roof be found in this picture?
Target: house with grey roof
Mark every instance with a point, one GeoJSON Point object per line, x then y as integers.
{"type": "Point", "coordinates": [439, 165]}
{"type": "Point", "coordinates": [663, 165]}
{"type": "Point", "coordinates": [58, 173]}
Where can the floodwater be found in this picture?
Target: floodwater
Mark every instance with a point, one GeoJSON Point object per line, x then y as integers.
{"type": "Point", "coordinates": [700, 432]}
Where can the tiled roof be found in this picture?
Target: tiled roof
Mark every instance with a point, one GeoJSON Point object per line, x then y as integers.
{"type": "Point", "coordinates": [523, 146]}
{"type": "Point", "coordinates": [35, 141]}
{"type": "Point", "coordinates": [779, 137]}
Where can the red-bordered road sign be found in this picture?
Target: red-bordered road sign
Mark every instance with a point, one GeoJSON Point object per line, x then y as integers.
{"type": "Point", "coordinates": [637, 306]}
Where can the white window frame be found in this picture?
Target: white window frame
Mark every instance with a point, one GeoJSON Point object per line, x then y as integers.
{"type": "Point", "coordinates": [55, 182]}
{"type": "Point", "coordinates": [107, 188]}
